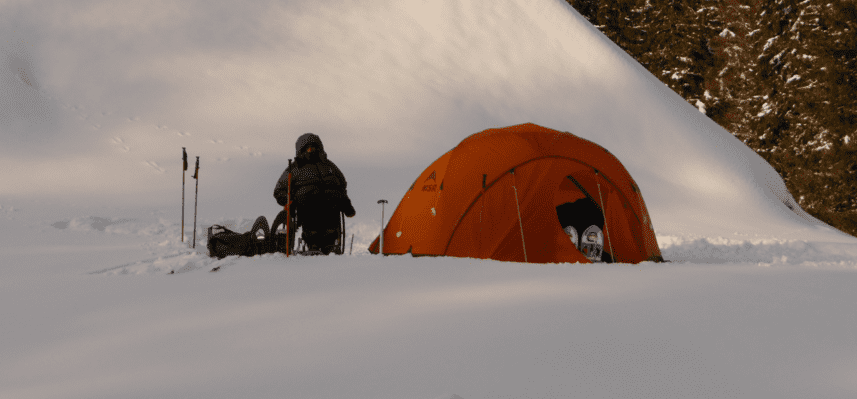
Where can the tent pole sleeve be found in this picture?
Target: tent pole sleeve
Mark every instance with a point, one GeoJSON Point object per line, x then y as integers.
{"type": "Point", "coordinates": [481, 209]}
{"type": "Point", "coordinates": [484, 176]}
{"type": "Point", "coordinates": [604, 215]}
{"type": "Point", "coordinates": [517, 205]}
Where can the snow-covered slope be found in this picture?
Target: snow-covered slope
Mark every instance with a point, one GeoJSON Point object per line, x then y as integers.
{"type": "Point", "coordinates": [102, 97]}
{"type": "Point", "coordinates": [116, 92]}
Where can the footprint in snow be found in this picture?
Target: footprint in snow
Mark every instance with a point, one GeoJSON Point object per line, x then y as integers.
{"type": "Point", "coordinates": [183, 134]}
{"type": "Point", "coordinates": [8, 211]}
{"type": "Point", "coordinates": [155, 166]}
{"type": "Point", "coordinates": [100, 224]}
{"type": "Point", "coordinates": [60, 225]}
{"type": "Point", "coordinates": [215, 141]}
{"type": "Point", "coordinates": [119, 142]}
{"type": "Point", "coordinates": [189, 266]}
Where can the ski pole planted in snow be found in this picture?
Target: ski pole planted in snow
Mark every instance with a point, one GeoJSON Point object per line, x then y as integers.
{"type": "Point", "coordinates": [381, 248]}
{"type": "Point", "coordinates": [289, 212]}
{"type": "Point", "coordinates": [196, 196]}
{"type": "Point", "coordinates": [184, 162]}
{"type": "Point", "coordinates": [352, 244]}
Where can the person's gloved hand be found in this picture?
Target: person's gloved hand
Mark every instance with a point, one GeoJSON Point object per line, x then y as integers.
{"type": "Point", "coordinates": [348, 209]}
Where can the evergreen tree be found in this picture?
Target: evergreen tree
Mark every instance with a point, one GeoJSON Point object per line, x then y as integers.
{"type": "Point", "coordinates": [780, 75]}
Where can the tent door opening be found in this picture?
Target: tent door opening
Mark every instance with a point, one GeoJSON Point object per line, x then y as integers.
{"type": "Point", "coordinates": [583, 222]}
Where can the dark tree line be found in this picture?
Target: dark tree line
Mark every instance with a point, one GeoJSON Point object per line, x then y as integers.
{"type": "Point", "coordinates": [780, 75]}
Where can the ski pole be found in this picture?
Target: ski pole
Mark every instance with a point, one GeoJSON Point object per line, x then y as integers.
{"type": "Point", "coordinates": [382, 202]}
{"type": "Point", "coordinates": [352, 244]}
{"type": "Point", "coordinates": [184, 162]}
{"type": "Point", "coordinates": [196, 196]}
{"type": "Point", "coordinates": [289, 212]}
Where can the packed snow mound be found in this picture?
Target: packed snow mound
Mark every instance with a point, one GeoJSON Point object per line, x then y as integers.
{"type": "Point", "coordinates": [158, 237]}
{"type": "Point", "coordinates": [170, 263]}
{"type": "Point", "coordinates": [765, 252]}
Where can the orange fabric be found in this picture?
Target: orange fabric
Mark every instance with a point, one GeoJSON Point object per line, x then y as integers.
{"type": "Point", "coordinates": [447, 211]}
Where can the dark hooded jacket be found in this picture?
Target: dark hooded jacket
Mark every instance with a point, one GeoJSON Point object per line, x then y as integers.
{"type": "Point", "coordinates": [316, 182]}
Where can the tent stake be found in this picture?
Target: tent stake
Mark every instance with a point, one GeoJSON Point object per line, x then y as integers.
{"type": "Point", "coordinates": [520, 223]}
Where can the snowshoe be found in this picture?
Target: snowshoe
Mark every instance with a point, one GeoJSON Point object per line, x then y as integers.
{"type": "Point", "coordinates": [572, 235]}
{"type": "Point", "coordinates": [279, 234]}
{"type": "Point", "coordinates": [223, 242]}
{"type": "Point", "coordinates": [592, 243]}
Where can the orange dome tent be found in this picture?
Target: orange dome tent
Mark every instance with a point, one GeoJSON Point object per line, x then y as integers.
{"type": "Point", "coordinates": [501, 193]}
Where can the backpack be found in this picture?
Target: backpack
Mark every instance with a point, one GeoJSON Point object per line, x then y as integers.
{"type": "Point", "coordinates": [223, 242]}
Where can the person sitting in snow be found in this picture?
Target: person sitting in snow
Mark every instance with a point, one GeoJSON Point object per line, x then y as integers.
{"type": "Point", "coordinates": [318, 194]}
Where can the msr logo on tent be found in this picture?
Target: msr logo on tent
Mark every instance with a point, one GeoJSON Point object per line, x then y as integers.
{"type": "Point", "coordinates": [432, 176]}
